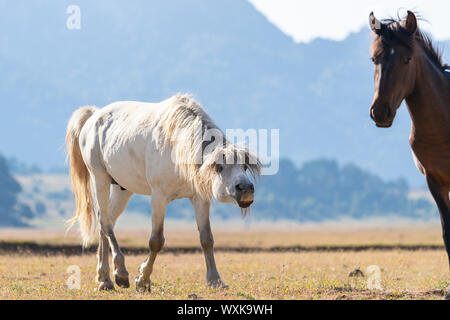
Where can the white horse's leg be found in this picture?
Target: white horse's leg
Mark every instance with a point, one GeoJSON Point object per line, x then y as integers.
{"type": "Point", "coordinates": [101, 183]}
{"type": "Point", "coordinates": [103, 277]}
{"type": "Point", "coordinates": [201, 208]}
{"type": "Point", "coordinates": [117, 205]}
{"type": "Point", "coordinates": [118, 202]}
{"type": "Point", "coordinates": [101, 198]}
{"type": "Point", "coordinates": [156, 243]}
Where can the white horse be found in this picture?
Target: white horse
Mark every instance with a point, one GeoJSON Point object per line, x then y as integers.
{"type": "Point", "coordinates": [156, 149]}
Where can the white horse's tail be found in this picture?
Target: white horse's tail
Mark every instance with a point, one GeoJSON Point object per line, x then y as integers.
{"type": "Point", "coordinates": [80, 176]}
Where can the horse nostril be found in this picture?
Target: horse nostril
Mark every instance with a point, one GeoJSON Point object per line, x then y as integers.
{"type": "Point", "coordinates": [372, 114]}
{"type": "Point", "coordinates": [388, 113]}
{"type": "Point", "coordinates": [245, 187]}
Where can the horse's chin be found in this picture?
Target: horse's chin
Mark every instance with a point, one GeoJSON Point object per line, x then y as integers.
{"type": "Point", "coordinates": [245, 200]}
{"type": "Point", "coordinates": [245, 204]}
{"type": "Point", "coordinates": [387, 124]}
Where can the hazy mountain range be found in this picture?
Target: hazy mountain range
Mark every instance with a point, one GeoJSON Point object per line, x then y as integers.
{"type": "Point", "coordinates": [244, 70]}
{"type": "Point", "coordinates": [320, 190]}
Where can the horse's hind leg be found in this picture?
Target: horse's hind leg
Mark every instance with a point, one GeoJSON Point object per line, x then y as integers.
{"type": "Point", "coordinates": [159, 204]}
{"type": "Point", "coordinates": [118, 203]}
{"type": "Point", "coordinates": [103, 277]}
{"type": "Point", "coordinates": [101, 185]}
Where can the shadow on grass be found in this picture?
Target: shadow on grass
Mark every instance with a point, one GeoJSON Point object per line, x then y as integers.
{"type": "Point", "coordinates": [29, 247]}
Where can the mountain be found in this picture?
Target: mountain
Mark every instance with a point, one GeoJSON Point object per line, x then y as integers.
{"type": "Point", "coordinates": [245, 72]}
{"type": "Point", "coordinates": [322, 190]}
{"type": "Point", "coordinates": [319, 190]}
{"type": "Point", "coordinates": [12, 212]}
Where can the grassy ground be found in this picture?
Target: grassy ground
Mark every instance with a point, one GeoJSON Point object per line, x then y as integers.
{"type": "Point", "coordinates": [312, 275]}
{"type": "Point", "coordinates": [404, 274]}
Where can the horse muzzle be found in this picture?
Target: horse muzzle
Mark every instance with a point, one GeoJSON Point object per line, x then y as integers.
{"type": "Point", "coordinates": [245, 194]}
{"type": "Point", "coordinates": [382, 116]}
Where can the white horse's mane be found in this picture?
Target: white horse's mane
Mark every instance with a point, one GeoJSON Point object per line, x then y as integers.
{"type": "Point", "coordinates": [182, 125]}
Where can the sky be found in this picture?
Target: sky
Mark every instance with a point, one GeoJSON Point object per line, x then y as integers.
{"type": "Point", "coordinates": [331, 19]}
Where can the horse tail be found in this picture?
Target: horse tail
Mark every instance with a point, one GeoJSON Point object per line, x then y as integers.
{"type": "Point", "coordinates": [80, 176]}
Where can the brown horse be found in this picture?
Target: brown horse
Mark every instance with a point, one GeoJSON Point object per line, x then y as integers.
{"type": "Point", "coordinates": [408, 67]}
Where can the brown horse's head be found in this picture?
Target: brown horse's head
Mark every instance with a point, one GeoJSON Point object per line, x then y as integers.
{"type": "Point", "coordinates": [393, 54]}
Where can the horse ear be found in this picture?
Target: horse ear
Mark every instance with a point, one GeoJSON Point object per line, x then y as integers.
{"type": "Point", "coordinates": [375, 24]}
{"type": "Point", "coordinates": [410, 24]}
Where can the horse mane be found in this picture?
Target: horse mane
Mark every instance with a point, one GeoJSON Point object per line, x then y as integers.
{"type": "Point", "coordinates": [183, 125]}
{"type": "Point", "coordinates": [393, 32]}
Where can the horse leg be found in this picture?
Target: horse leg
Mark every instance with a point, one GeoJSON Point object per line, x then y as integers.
{"type": "Point", "coordinates": [118, 202]}
{"type": "Point", "coordinates": [117, 205]}
{"type": "Point", "coordinates": [101, 183]}
{"type": "Point", "coordinates": [103, 277]}
{"type": "Point", "coordinates": [441, 196]}
{"type": "Point", "coordinates": [156, 243]}
{"type": "Point", "coordinates": [201, 208]}
{"type": "Point", "coordinates": [100, 197]}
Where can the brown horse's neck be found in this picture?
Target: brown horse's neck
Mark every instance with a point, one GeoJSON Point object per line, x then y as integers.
{"type": "Point", "coordinates": [429, 103]}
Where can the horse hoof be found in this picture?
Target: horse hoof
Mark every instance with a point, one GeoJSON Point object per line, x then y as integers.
{"type": "Point", "coordinates": [217, 284]}
{"type": "Point", "coordinates": [106, 286]}
{"type": "Point", "coordinates": [142, 286]}
{"type": "Point", "coordinates": [122, 282]}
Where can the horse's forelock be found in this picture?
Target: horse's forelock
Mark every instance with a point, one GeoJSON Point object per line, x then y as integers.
{"type": "Point", "coordinates": [393, 32]}
{"type": "Point", "coordinates": [223, 154]}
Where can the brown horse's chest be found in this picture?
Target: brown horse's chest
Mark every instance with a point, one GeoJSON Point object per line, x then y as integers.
{"type": "Point", "coordinates": [433, 158]}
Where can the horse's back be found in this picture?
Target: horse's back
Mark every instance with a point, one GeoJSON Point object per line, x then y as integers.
{"type": "Point", "coordinates": [116, 139]}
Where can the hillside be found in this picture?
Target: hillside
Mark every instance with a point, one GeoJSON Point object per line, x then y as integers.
{"type": "Point", "coordinates": [245, 71]}
{"type": "Point", "coordinates": [13, 213]}
{"type": "Point", "coordinates": [319, 191]}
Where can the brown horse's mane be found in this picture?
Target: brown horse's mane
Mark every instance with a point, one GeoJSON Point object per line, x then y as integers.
{"type": "Point", "coordinates": [392, 32]}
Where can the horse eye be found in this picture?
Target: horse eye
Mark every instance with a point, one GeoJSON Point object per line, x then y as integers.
{"type": "Point", "coordinates": [407, 60]}
{"type": "Point", "coordinates": [219, 168]}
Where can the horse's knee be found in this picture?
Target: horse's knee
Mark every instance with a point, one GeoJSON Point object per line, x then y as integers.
{"type": "Point", "coordinates": [207, 241]}
{"type": "Point", "coordinates": [156, 243]}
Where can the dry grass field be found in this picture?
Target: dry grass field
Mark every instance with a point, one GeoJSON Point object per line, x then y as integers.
{"type": "Point", "coordinates": [309, 263]}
